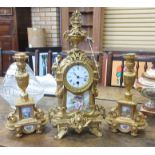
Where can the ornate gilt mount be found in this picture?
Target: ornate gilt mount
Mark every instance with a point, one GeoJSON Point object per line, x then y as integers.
{"type": "Point", "coordinates": [76, 104]}
{"type": "Point", "coordinates": [26, 118]}
{"type": "Point", "coordinates": [75, 35]}
{"type": "Point", "coordinates": [77, 120]}
{"type": "Point", "coordinates": [125, 117]}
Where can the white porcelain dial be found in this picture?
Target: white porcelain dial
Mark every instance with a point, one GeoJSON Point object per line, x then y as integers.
{"type": "Point", "coordinates": [78, 76]}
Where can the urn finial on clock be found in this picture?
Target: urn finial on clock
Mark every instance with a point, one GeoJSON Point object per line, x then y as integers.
{"type": "Point", "coordinates": [75, 35]}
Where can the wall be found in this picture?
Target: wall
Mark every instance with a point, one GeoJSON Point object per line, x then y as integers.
{"type": "Point", "coordinates": [47, 18]}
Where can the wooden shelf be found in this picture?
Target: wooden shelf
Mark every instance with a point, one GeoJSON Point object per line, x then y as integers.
{"type": "Point", "coordinates": [81, 9]}
{"type": "Point", "coordinates": [82, 12]}
{"type": "Point", "coordinates": [89, 25]}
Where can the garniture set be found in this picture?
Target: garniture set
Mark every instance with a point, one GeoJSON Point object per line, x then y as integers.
{"type": "Point", "coordinates": [77, 78]}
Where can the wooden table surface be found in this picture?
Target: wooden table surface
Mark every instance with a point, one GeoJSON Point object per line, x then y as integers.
{"type": "Point", "coordinates": [46, 139]}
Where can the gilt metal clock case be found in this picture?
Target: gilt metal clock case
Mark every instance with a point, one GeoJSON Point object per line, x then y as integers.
{"type": "Point", "coordinates": [69, 114]}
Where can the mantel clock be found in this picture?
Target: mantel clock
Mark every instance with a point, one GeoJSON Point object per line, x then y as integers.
{"type": "Point", "coordinates": [76, 78]}
{"type": "Point", "coordinates": [125, 117]}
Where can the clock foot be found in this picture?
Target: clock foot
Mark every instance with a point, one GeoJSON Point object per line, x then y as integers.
{"type": "Point", "coordinates": [18, 132]}
{"type": "Point", "coordinates": [96, 131]}
{"type": "Point", "coordinates": [134, 131]}
{"type": "Point", "coordinates": [114, 127]}
{"type": "Point", "coordinates": [61, 133]}
{"type": "Point", "coordinates": [114, 130]}
{"type": "Point", "coordinates": [19, 135]}
{"type": "Point", "coordinates": [39, 129]}
{"type": "Point", "coordinates": [133, 134]}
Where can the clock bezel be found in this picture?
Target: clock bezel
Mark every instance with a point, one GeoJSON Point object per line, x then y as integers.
{"type": "Point", "coordinates": [80, 89]}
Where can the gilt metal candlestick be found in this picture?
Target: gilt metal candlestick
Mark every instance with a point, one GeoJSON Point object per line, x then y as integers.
{"type": "Point", "coordinates": [76, 78]}
{"type": "Point", "coordinates": [125, 117]}
{"type": "Point", "coordinates": [26, 118]}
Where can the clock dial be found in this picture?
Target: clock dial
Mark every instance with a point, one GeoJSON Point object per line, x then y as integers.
{"type": "Point", "coordinates": [77, 76]}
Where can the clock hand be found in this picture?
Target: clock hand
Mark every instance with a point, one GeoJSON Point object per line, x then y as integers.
{"type": "Point", "coordinates": [81, 77]}
{"type": "Point", "coordinates": [74, 73]}
{"type": "Point", "coordinates": [77, 76]}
